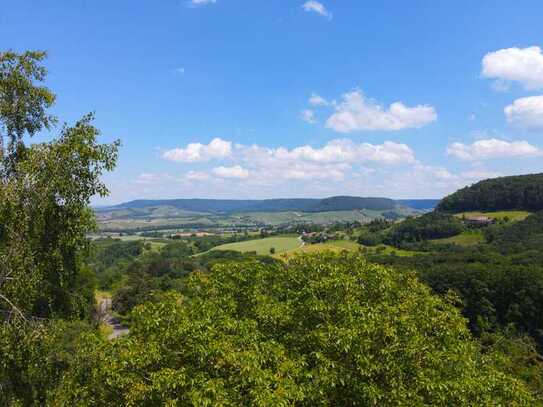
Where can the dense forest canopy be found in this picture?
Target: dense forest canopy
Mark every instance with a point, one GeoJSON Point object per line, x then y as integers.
{"type": "Point", "coordinates": [522, 192]}
{"type": "Point", "coordinates": [325, 329]}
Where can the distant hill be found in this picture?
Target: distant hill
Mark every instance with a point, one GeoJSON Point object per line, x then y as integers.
{"type": "Point", "coordinates": [522, 192]}
{"type": "Point", "coordinates": [338, 203]}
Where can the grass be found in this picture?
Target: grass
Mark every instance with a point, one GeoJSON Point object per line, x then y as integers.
{"type": "Point", "coordinates": [263, 246]}
{"type": "Point", "coordinates": [105, 330]}
{"type": "Point", "coordinates": [498, 215]}
{"type": "Point", "coordinates": [468, 238]}
{"type": "Point", "coordinates": [386, 249]}
{"type": "Point", "coordinates": [344, 244]}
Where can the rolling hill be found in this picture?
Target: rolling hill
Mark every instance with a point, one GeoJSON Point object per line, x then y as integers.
{"type": "Point", "coordinates": [228, 206]}
{"type": "Point", "coordinates": [225, 206]}
{"type": "Point", "coordinates": [521, 192]}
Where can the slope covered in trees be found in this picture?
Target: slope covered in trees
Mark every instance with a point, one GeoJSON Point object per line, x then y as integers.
{"type": "Point", "coordinates": [522, 192]}
{"type": "Point", "coordinates": [413, 230]}
{"type": "Point", "coordinates": [500, 281]}
{"type": "Point", "coordinates": [338, 203]}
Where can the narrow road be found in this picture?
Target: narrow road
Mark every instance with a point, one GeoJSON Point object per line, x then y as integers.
{"type": "Point", "coordinates": [107, 317]}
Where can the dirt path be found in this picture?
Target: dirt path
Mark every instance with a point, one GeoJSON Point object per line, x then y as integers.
{"type": "Point", "coordinates": [107, 317]}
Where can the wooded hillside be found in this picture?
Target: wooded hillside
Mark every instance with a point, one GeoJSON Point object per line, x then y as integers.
{"type": "Point", "coordinates": [517, 192]}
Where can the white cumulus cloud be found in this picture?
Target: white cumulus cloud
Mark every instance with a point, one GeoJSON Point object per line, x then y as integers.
{"type": "Point", "coordinates": [524, 65]}
{"type": "Point", "coordinates": [357, 113]}
{"type": "Point", "coordinates": [317, 7]}
{"type": "Point", "coordinates": [346, 151]}
{"type": "Point", "coordinates": [526, 112]}
{"type": "Point", "coordinates": [338, 160]}
{"type": "Point", "coordinates": [235, 171]}
{"type": "Point", "coordinates": [198, 152]}
{"type": "Point", "coordinates": [493, 148]}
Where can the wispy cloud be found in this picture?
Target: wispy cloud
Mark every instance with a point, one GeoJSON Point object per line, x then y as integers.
{"type": "Point", "coordinates": [313, 6]}
{"type": "Point", "coordinates": [198, 3]}
{"type": "Point", "coordinates": [317, 100]}
{"type": "Point", "coordinates": [308, 116]}
{"type": "Point", "coordinates": [236, 171]}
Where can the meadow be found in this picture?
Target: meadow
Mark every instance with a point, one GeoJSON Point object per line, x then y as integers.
{"type": "Point", "coordinates": [263, 246]}
{"type": "Point", "coordinates": [467, 238]}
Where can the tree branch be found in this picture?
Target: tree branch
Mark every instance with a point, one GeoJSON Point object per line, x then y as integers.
{"type": "Point", "coordinates": [14, 308]}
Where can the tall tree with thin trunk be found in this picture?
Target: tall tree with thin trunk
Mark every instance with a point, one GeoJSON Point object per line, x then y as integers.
{"type": "Point", "coordinates": [45, 190]}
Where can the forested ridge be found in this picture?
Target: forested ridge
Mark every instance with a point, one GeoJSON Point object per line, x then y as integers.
{"type": "Point", "coordinates": [336, 203]}
{"type": "Point", "coordinates": [446, 325]}
{"type": "Point", "coordinates": [516, 192]}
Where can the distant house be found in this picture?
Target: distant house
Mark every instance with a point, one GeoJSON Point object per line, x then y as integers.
{"type": "Point", "coordinates": [479, 221]}
{"type": "Point", "coordinates": [318, 237]}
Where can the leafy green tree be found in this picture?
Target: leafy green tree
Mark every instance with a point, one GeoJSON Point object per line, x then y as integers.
{"type": "Point", "coordinates": [322, 330]}
{"type": "Point", "coordinates": [45, 190]}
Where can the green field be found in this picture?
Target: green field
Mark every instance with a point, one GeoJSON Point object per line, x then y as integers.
{"type": "Point", "coordinates": [263, 246]}
{"type": "Point", "coordinates": [468, 238]}
{"type": "Point", "coordinates": [498, 215]}
{"type": "Point", "coordinates": [344, 244]}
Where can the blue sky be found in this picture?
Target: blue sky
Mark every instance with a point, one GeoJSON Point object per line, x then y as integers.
{"type": "Point", "coordinates": [260, 99]}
